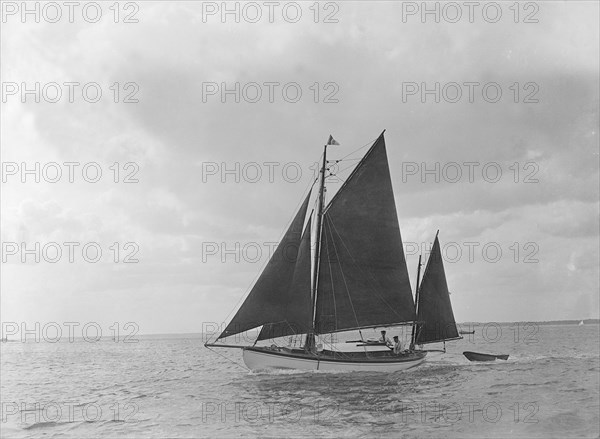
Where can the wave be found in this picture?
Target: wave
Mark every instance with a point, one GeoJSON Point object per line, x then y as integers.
{"type": "Point", "coordinates": [41, 425]}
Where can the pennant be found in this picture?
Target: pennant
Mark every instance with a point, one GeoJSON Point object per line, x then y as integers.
{"type": "Point", "coordinates": [332, 141]}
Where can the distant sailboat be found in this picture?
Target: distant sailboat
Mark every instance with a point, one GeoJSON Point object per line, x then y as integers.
{"type": "Point", "coordinates": [581, 323]}
{"type": "Point", "coordinates": [347, 272]}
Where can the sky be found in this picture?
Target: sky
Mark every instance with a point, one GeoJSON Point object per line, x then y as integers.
{"type": "Point", "coordinates": [491, 129]}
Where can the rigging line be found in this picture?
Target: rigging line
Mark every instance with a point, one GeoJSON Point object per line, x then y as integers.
{"type": "Point", "coordinates": [228, 359]}
{"type": "Point", "coordinates": [345, 284]}
{"type": "Point", "coordinates": [364, 146]}
{"type": "Point", "coordinates": [331, 174]}
{"type": "Point", "coordinates": [350, 166]}
{"type": "Point", "coordinates": [340, 178]}
{"type": "Point", "coordinates": [368, 273]}
{"type": "Point", "coordinates": [249, 288]}
{"type": "Point", "coordinates": [333, 162]}
{"type": "Point", "coordinates": [345, 169]}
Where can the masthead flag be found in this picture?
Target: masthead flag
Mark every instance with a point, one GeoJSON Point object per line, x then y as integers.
{"type": "Point", "coordinates": [332, 141]}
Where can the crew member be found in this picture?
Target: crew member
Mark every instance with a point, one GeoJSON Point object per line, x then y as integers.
{"type": "Point", "coordinates": [385, 339]}
{"type": "Point", "coordinates": [398, 348]}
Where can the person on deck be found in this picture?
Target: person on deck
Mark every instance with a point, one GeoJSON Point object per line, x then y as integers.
{"type": "Point", "coordinates": [385, 339]}
{"type": "Point", "coordinates": [398, 348]}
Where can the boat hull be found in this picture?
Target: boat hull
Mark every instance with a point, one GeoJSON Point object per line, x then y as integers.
{"type": "Point", "coordinates": [260, 359]}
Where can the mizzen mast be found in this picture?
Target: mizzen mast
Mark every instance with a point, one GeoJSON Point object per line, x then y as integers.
{"type": "Point", "coordinates": [414, 331]}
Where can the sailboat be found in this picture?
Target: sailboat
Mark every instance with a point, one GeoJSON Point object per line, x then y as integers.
{"type": "Point", "coordinates": [344, 269]}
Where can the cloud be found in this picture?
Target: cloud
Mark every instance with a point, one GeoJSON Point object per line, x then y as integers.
{"type": "Point", "coordinates": [171, 135]}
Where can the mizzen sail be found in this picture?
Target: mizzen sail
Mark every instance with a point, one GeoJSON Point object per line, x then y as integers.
{"type": "Point", "coordinates": [434, 310]}
{"type": "Point", "coordinates": [268, 298]}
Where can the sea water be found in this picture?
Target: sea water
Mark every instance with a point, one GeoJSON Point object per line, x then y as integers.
{"type": "Point", "coordinates": [172, 386]}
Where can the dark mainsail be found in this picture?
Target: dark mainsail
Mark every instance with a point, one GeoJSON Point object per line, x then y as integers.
{"type": "Point", "coordinates": [362, 277]}
{"type": "Point", "coordinates": [434, 311]}
{"type": "Point", "coordinates": [269, 296]}
{"type": "Point", "coordinates": [296, 314]}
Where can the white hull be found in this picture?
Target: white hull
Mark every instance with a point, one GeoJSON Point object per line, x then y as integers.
{"type": "Point", "coordinates": [260, 360]}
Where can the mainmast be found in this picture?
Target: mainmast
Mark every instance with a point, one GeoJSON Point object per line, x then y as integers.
{"type": "Point", "coordinates": [310, 338]}
{"type": "Point", "coordinates": [414, 331]}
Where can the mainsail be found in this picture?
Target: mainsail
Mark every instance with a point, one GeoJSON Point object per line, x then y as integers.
{"type": "Point", "coordinates": [268, 300]}
{"type": "Point", "coordinates": [434, 311]}
{"type": "Point", "coordinates": [362, 276]}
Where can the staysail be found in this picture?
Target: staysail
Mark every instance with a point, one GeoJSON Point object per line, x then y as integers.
{"type": "Point", "coordinates": [295, 316]}
{"type": "Point", "coordinates": [362, 277]}
{"type": "Point", "coordinates": [267, 301]}
{"type": "Point", "coordinates": [434, 310]}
